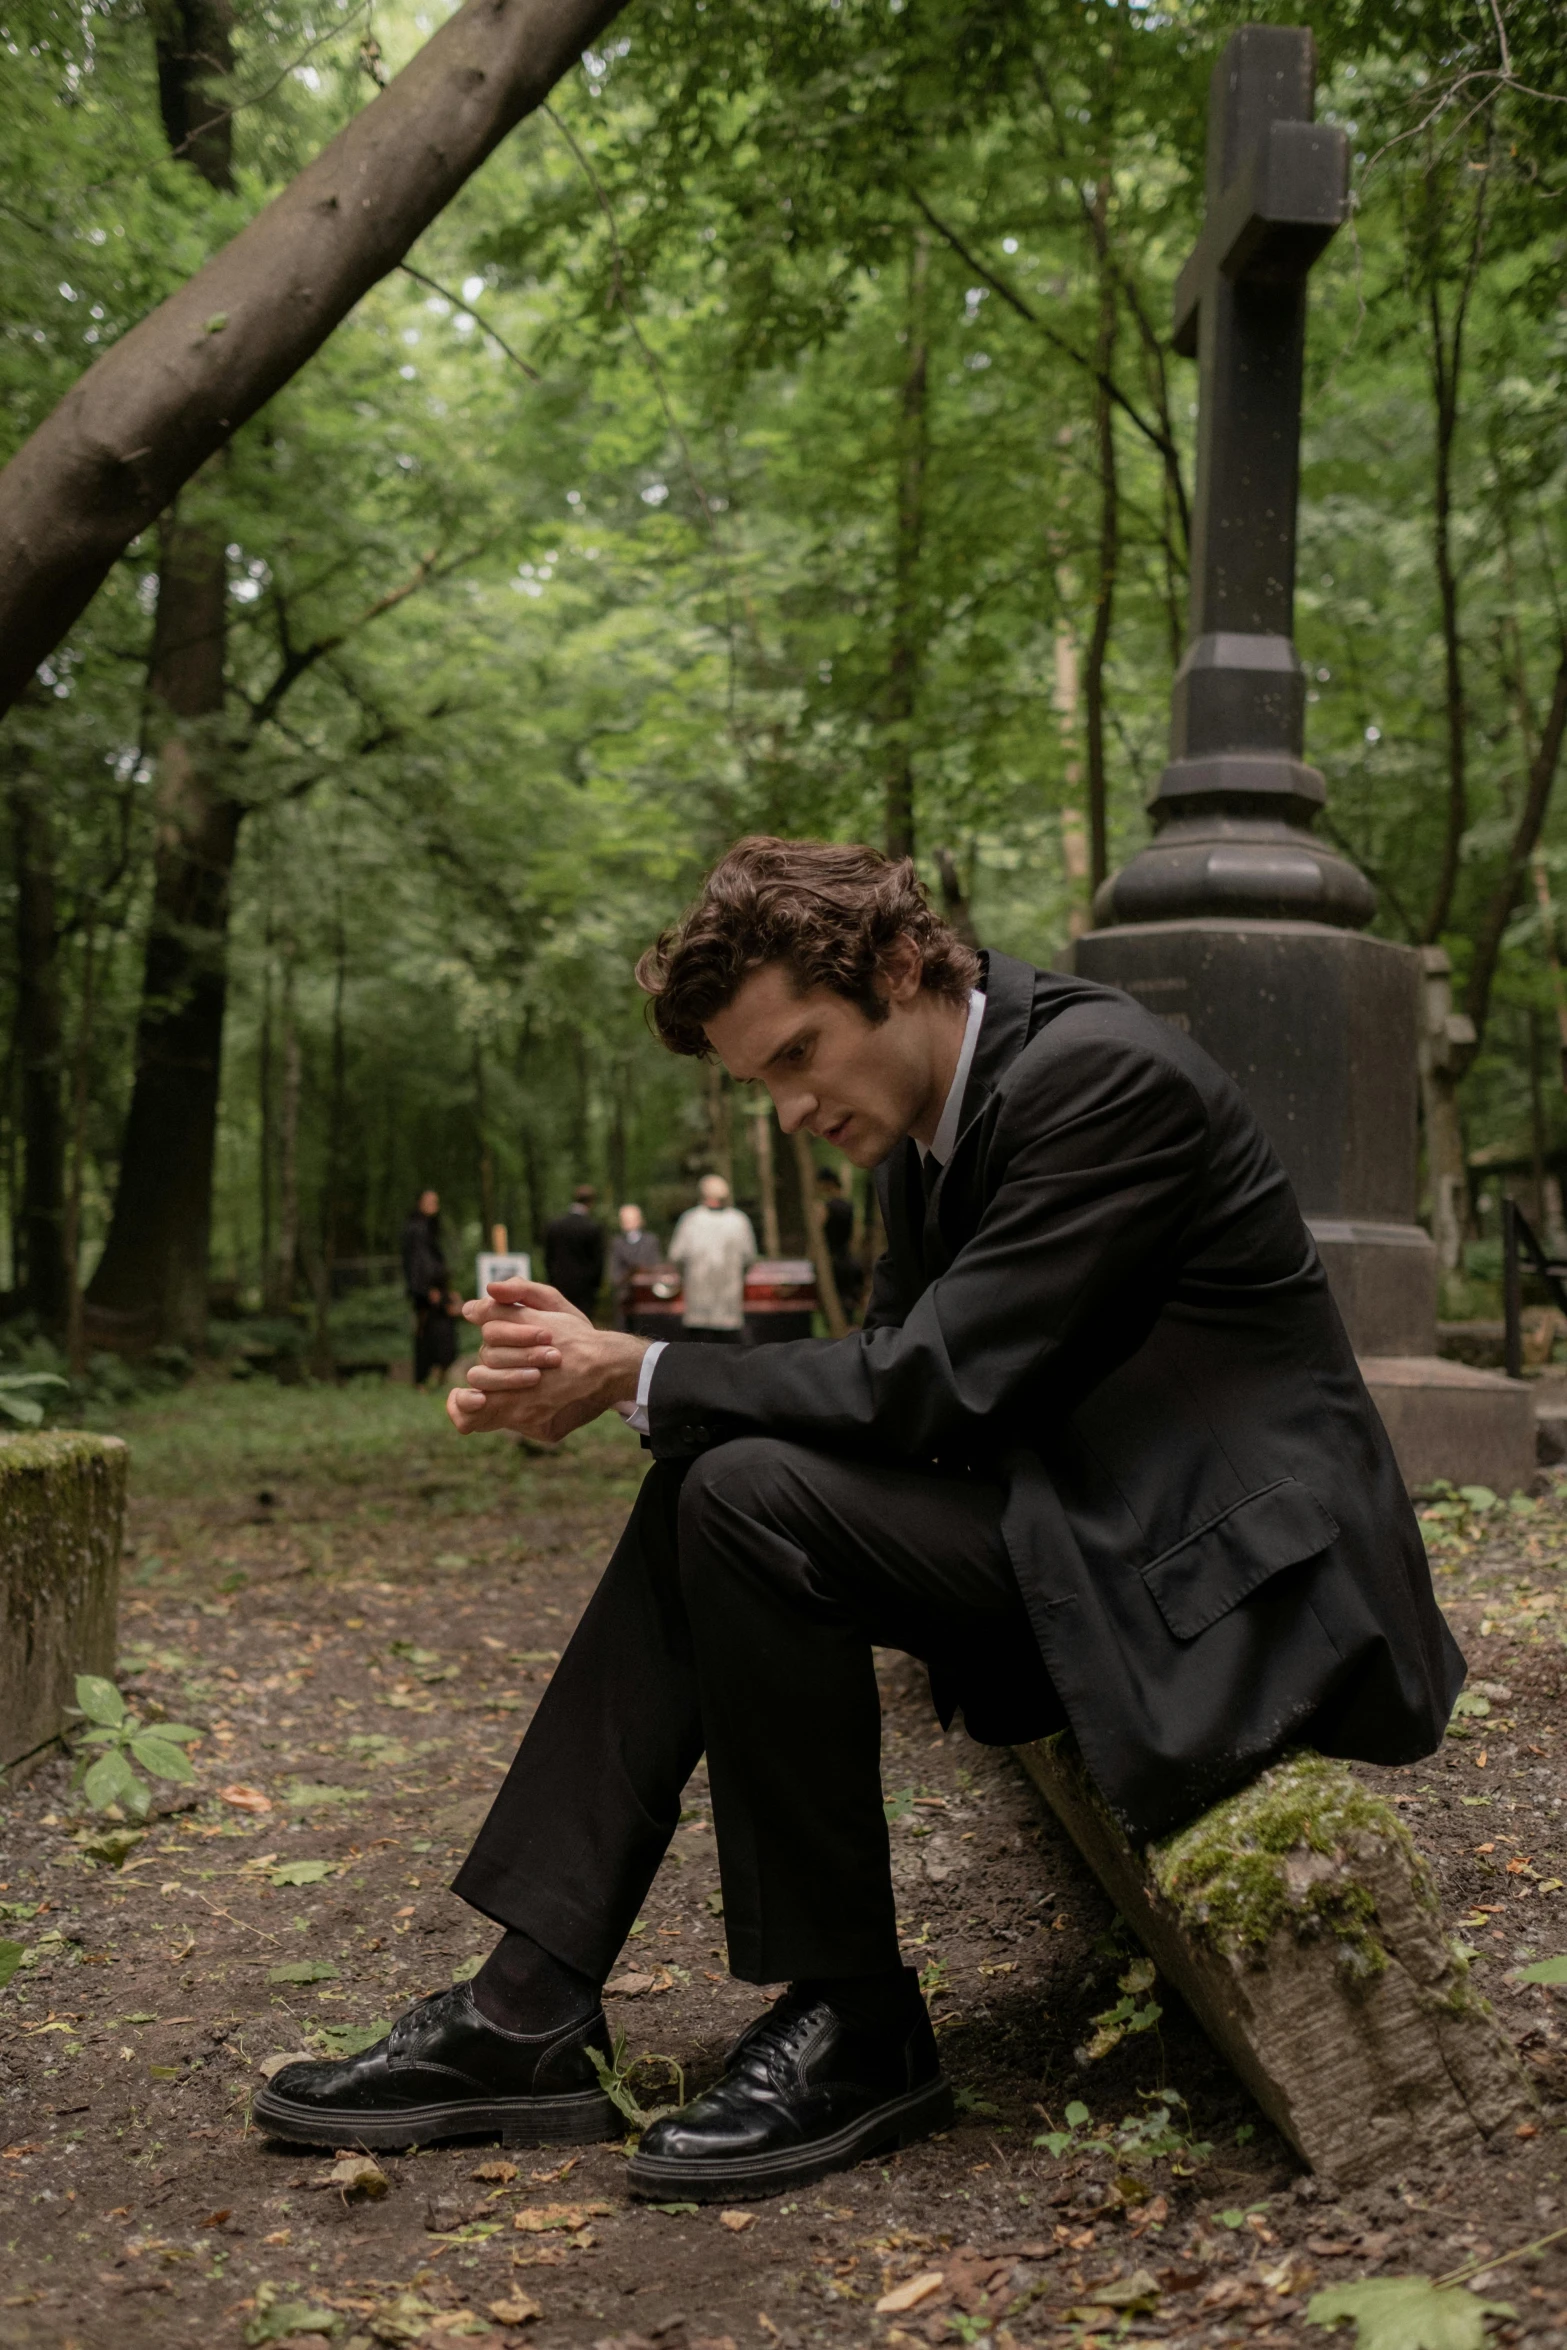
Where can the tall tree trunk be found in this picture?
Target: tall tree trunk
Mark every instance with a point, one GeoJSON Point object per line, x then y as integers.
{"type": "Point", "coordinates": [264, 1108]}
{"type": "Point", "coordinates": [720, 1122]}
{"type": "Point", "coordinates": [903, 666]}
{"type": "Point", "coordinates": [147, 416]}
{"type": "Point", "coordinates": [151, 1282]}
{"type": "Point", "coordinates": [1109, 545]}
{"type": "Point", "coordinates": [152, 1278]}
{"type": "Point", "coordinates": [766, 1177]}
{"type": "Point", "coordinates": [44, 1286]}
{"type": "Point", "coordinates": [489, 1213]}
{"type": "Point", "coordinates": [75, 1322]}
{"type": "Point", "coordinates": [955, 907]}
{"type": "Point", "coordinates": [816, 1235]}
{"type": "Point", "coordinates": [283, 1270]}
{"type": "Point", "coordinates": [321, 1358]}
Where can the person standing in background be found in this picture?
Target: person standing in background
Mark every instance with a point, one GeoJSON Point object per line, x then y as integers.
{"type": "Point", "coordinates": [429, 1289]}
{"type": "Point", "coordinates": [713, 1247]}
{"type": "Point", "coordinates": [838, 1230]}
{"type": "Point", "coordinates": [633, 1249]}
{"type": "Point", "coordinates": [574, 1252]}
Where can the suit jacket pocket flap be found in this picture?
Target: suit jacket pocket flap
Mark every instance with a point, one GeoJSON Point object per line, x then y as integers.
{"type": "Point", "coordinates": [1200, 1578]}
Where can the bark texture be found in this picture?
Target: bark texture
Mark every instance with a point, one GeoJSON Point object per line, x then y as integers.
{"type": "Point", "coordinates": [139, 423]}
{"type": "Point", "coordinates": [40, 1052]}
{"type": "Point", "coordinates": [151, 1282]}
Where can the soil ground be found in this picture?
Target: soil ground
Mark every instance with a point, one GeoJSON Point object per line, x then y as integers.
{"type": "Point", "coordinates": [360, 1613]}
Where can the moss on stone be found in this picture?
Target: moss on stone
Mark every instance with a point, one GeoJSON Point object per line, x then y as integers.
{"type": "Point", "coordinates": [62, 1501]}
{"type": "Point", "coordinates": [1254, 1865]}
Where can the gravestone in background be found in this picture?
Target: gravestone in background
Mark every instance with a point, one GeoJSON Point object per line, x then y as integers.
{"type": "Point", "coordinates": [1235, 922]}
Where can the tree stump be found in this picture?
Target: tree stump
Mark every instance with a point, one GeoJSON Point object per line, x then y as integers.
{"type": "Point", "coordinates": [1301, 1927]}
{"type": "Point", "coordinates": [62, 1515]}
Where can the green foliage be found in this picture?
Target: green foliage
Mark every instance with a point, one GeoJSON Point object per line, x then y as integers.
{"type": "Point", "coordinates": [511, 655]}
{"type": "Point", "coordinates": [1125, 2017]}
{"type": "Point", "coordinates": [1407, 2313]}
{"type": "Point", "coordinates": [11, 1957]}
{"type": "Point", "coordinates": [124, 1741]}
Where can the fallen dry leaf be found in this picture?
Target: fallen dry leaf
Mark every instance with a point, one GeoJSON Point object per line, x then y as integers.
{"type": "Point", "coordinates": [910, 2296]}
{"type": "Point", "coordinates": [357, 2175]}
{"type": "Point", "coordinates": [515, 2310]}
{"type": "Point", "coordinates": [245, 1798]}
{"type": "Point", "coordinates": [495, 2174]}
{"type": "Point", "coordinates": [737, 2221]}
{"type": "Point", "coordinates": [562, 2170]}
{"type": "Point", "coordinates": [274, 2064]}
{"type": "Point", "coordinates": [629, 1986]}
{"type": "Point", "coordinates": [571, 2216]}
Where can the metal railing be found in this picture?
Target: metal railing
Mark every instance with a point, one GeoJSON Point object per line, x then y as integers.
{"type": "Point", "coordinates": [1518, 1232]}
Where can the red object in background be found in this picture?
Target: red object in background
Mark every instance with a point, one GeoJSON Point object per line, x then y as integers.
{"type": "Point", "coordinates": [780, 1300]}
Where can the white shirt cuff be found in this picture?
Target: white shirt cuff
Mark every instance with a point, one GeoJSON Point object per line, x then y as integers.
{"type": "Point", "coordinates": [635, 1414]}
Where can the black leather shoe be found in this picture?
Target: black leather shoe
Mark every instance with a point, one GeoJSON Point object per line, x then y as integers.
{"type": "Point", "coordinates": [445, 2071]}
{"type": "Point", "coordinates": [804, 2093]}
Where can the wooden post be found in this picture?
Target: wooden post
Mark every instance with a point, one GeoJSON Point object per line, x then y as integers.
{"type": "Point", "coordinates": [766, 1177]}
{"type": "Point", "coordinates": [1300, 1925]}
{"type": "Point", "coordinates": [62, 1514]}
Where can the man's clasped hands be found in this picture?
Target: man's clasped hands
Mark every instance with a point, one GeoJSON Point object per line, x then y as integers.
{"type": "Point", "coordinates": [543, 1368]}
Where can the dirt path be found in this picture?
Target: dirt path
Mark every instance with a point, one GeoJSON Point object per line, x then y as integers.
{"type": "Point", "coordinates": [361, 1614]}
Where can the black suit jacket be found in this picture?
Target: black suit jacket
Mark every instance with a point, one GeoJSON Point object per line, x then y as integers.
{"type": "Point", "coordinates": [1110, 1302]}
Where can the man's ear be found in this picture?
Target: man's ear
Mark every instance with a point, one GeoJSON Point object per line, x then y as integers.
{"type": "Point", "coordinates": [902, 971]}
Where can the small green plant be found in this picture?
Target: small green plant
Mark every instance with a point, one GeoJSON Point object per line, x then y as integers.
{"type": "Point", "coordinates": [1113, 2026]}
{"type": "Point", "coordinates": [1058, 2142]}
{"type": "Point", "coordinates": [1162, 2131]}
{"type": "Point", "coordinates": [615, 2074]}
{"type": "Point", "coordinates": [15, 1400]}
{"type": "Point", "coordinates": [126, 1740]}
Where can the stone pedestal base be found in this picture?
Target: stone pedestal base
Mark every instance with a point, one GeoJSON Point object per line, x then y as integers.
{"type": "Point", "coordinates": [1319, 1029]}
{"type": "Point", "coordinates": [1449, 1420]}
{"type": "Point", "coordinates": [62, 1514]}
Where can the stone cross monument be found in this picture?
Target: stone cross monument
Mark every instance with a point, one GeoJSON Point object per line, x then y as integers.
{"type": "Point", "coordinates": [1234, 922]}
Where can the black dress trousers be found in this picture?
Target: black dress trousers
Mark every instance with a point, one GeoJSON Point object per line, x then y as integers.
{"type": "Point", "coordinates": [737, 1617]}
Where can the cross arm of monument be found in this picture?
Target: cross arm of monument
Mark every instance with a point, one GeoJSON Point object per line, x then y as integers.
{"type": "Point", "coordinates": [1273, 219]}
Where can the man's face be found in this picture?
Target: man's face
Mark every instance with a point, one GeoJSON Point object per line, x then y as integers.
{"type": "Point", "coordinates": [857, 1083]}
{"type": "Point", "coordinates": [429, 1203]}
{"type": "Point", "coordinates": [713, 1191]}
{"type": "Point", "coordinates": [630, 1219]}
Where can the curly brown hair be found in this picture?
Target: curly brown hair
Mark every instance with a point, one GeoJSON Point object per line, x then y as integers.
{"type": "Point", "coordinates": [828, 914]}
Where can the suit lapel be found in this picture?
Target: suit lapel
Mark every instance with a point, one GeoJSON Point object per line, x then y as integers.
{"type": "Point", "coordinates": [1009, 1002]}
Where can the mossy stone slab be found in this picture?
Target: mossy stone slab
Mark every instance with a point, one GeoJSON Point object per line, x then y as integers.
{"type": "Point", "coordinates": [1300, 1925]}
{"type": "Point", "coordinates": [62, 1517]}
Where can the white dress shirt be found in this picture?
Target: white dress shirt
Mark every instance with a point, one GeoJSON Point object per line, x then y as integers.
{"type": "Point", "coordinates": [940, 1148]}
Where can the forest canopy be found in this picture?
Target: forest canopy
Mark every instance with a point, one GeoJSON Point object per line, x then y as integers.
{"type": "Point", "coordinates": [779, 432]}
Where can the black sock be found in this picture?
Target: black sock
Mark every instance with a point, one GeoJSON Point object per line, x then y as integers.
{"type": "Point", "coordinates": [889, 2002]}
{"type": "Point", "coordinates": [521, 1988]}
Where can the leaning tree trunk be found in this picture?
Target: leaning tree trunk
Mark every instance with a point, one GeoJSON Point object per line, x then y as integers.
{"type": "Point", "coordinates": [151, 1282]}
{"type": "Point", "coordinates": [39, 1039]}
{"type": "Point", "coordinates": [141, 421]}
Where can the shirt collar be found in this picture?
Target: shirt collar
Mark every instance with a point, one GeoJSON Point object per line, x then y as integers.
{"type": "Point", "coordinates": [945, 1138]}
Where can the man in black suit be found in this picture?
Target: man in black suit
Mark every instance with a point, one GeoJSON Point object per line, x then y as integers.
{"type": "Point", "coordinates": [574, 1252]}
{"type": "Point", "coordinates": [1100, 1456]}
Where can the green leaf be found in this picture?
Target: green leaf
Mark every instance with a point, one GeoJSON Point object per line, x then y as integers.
{"type": "Point", "coordinates": [675, 2210]}
{"type": "Point", "coordinates": [304, 1970]}
{"type": "Point", "coordinates": [11, 1957]}
{"type": "Point", "coordinates": [300, 1872]}
{"type": "Point", "coordinates": [289, 2317]}
{"type": "Point", "coordinates": [111, 1780]}
{"type": "Point", "coordinates": [1077, 2116]}
{"type": "Point", "coordinates": [1055, 2142]}
{"type": "Point", "coordinates": [155, 1754]}
{"type": "Point", "coordinates": [305, 1795]}
{"type": "Point", "coordinates": [177, 1733]}
{"type": "Point", "coordinates": [1407, 2313]}
{"type": "Point", "coordinates": [1544, 1970]}
{"type": "Point", "coordinates": [21, 1409]}
{"type": "Point", "coordinates": [99, 1700]}
{"type": "Point", "coordinates": [1479, 1497]}
{"type": "Point", "coordinates": [467, 1970]}
{"type": "Point", "coordinates": [1467, 1702]}
{"type": "Point", "coordinates": [352, 2039]}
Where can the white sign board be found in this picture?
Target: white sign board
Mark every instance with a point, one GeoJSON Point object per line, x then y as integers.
{"type": "Point", "coordinates": [517, 1266]}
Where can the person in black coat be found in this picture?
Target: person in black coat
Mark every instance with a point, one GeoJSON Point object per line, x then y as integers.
{"type": "Point", "coordinates": [1101, 1457]}
{"type": "Point", "coordinates": [427, 1282]}
{"type": "Point", "coordinates": [838, 1231]}
{"type": "Point", "coordinates": [574, 1252]}
{"type": "Point", "coordinates": [633, 1250]}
